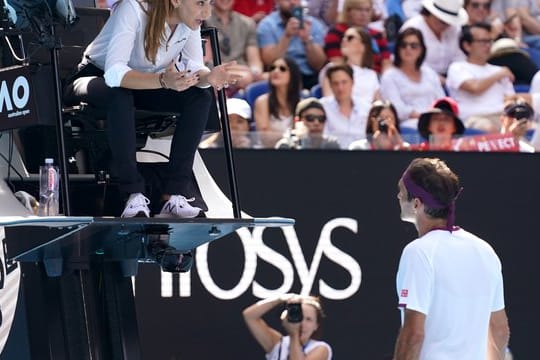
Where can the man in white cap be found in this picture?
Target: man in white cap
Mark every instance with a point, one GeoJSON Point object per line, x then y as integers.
{"type": "Point", "coordinates": [240, 124]}
{"type": "Point", "coordinates": [439, 21]}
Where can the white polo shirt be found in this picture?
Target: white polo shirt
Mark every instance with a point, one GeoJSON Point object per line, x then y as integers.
{"type": "Point", "coordinates": [455, 279]}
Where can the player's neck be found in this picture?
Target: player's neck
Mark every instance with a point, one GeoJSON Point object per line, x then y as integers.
{"type": "Point", "coordinates": [425, 225]}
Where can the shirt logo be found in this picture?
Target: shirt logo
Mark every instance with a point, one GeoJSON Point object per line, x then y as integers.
{"type": "Point", "coordinates": [404, 292]}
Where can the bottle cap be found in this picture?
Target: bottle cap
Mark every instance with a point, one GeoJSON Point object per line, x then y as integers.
{"type": "Point", "coordinates": [49, 161]}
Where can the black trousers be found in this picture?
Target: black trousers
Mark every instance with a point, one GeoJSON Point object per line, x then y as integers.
{"type": "Point", "coordinates": [88, 85]}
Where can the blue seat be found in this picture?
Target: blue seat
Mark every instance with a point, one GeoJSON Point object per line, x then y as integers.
{"type": "Point", "coordinates": [410, 135]}
{"type": "Point", "coordinates": [472, 131]}
{"type": "Point", "coordinates": [316, 91]}
{"type": "Point", "coordinates": [254, 90]}
{"type": "Point", "coordinates": [522, 88]}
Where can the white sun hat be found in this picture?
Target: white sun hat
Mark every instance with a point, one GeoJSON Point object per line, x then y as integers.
{"type": "Point", "coordinates": [448, 11]}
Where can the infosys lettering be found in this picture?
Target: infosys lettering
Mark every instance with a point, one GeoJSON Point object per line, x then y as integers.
{"type": "Point", "coordinates": [255, 250]}
{"type": "Point", "coordinates": [15, 98]}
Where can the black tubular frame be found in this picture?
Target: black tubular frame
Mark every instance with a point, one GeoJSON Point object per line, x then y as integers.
{"type": "Point", "coordinates": [212, 32]}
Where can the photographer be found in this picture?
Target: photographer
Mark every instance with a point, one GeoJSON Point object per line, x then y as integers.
{"type": "Point", "coordinates": [382, 129]}
{"type": "Point", "coordinates": [301, 319]}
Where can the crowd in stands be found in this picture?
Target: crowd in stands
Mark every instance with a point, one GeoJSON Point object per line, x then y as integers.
{"type": "Point", "coordinates": [331, 74]}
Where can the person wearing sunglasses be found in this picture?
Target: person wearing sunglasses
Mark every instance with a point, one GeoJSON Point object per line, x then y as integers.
{"type": "Point", "coordinates": [357, 52]}
{"type": "Point", "coordinates": [310, 118]}
{"type": "Point", "coordinates": [357, 13]}
{"type": "Point", "coordinates": [274, 110]}
{"type": "Point", "coordinates": [382, 129]}
{"type": "Point", "coordinates": [411, 86]}
{"type": "Point", "coordinates": [479, 87]}
{"type": "Point", "coordinates": [440, 22]}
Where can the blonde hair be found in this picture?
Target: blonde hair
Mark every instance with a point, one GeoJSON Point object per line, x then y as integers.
{"type": "Point", "coordinates": [343, 15]}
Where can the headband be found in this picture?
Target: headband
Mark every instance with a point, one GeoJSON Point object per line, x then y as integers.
{"type": "Point", "coordinates": [428, 199]}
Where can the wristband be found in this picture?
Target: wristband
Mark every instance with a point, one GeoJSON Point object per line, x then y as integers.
{"type": "Point", "coordinates": [162, 81]}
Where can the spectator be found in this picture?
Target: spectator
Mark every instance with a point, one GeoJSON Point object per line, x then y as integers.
{"type": "Point", "coordinates": [479, 11]}
{"type": "Point", "coordinates": [357, 13]}
{"type": "Point", "coordinates": [517, 119]}
{"type": "Point", "coordinates": [356, 50]}
{"type": "Point", "coordinates": [382, 129]}
{"type": "Point", "coordinates": [440, 124]}
{"type": "Point", "coordinates": [237, 41]}
{"type": "Point", "coordinates": [255, 9]}
{"type": "Point", "coordinates": [449, 282]}
{"type": "Point", "coordinates": [506, 49]}
{"type": "Point", "coordinates": [310, 117]}
{"type": "Point", "coordinates": [300, 342]}
{"type": "Point", "coordinates": [325, 10]}
{"type": "Point", "coordinates": [346, 117]}
{"type": "Point", "coordinates": [240, 124]}
{"type": "Point", "coordinates": [280, 34]}
{"type": "Point", "coordinates": [411, 86]}
{"type": "Point", "coordinates": [439, 22]}
{"type": "Point", "coordinates": [274, 110]}
{"type": "Point", "coordinates": [478, 87]}
{"type": "Point", "coordinates": [529, 15]}
{"type": "Point", "coordinates": [533, 98]}
{"type": "Point", "coordinates": [506, 52]}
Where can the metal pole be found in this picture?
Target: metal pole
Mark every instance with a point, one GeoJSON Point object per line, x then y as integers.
{"type": "Point", "coordinates": [64, 178]}
{"type": "Point", "coordinates": [225, 129]}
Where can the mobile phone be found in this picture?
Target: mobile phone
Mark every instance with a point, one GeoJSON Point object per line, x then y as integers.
{"type": "Point", "coordinates": [294, 312]}
{"type": "Point", "coordinates": [298, 12]}
{"type": "Point", "coordinates": [382, 125]}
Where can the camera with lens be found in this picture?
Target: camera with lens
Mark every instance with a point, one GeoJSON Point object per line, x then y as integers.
{"type": "Point", "coordinates": [382, 125]}
{"type": "Point", "coordinates": [294, 312]}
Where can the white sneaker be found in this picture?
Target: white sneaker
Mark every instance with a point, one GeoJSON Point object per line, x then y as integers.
{"type": "Point", "coordinates": [136, 206]}
{"type": "Point", "coordinates": [178, 207]}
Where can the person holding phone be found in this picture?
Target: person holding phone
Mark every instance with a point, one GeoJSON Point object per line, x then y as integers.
{"type": "Point", "coordinates": [302, 320]}
{"type": "Point", "coordinates": [149, 56]}
{"type": "Point", "coordinates": [517, 119]}
{"type": "Point", "coordinates": [288, 32]}
{"type": "Point", "coordinates": [382, 129]}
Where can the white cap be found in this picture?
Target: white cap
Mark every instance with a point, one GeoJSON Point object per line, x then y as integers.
{"type": "Point", "coordinates": [239, 107]}
{"type": "Point", "coordinates": [49, 161]}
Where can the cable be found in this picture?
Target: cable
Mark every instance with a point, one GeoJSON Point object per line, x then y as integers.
{"type": "Point", "coordinates": [13, 53]}
{"type": "Point", "coordinates": [9, 161]}
{"type": "Point", "coordinates": [154, 152]}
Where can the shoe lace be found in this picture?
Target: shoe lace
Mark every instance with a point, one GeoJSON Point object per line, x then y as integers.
{"type": "Point", "coordinates": [180, 201]}
{"type": "Point", "coordinates": [139, 200]}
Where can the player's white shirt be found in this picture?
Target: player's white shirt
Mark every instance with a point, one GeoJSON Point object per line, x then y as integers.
{"type": "Point", "coordinates": [455, 279]}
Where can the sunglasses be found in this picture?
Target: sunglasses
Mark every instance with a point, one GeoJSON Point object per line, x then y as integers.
{"type": "Point", "coordinates": [311, 118]}
{"type": "Point", "coordinates": [476, 5]}
{"type": "Point", "coordinates": [412, 45]}
{"type": "Point", "coordinates": [350, 38]}
{"type": "Point", "coordinates": [281, 68]}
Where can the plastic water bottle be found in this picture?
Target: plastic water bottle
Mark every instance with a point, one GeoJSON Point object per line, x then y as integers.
{"type": "Point", "coordinates": [48, 189]}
